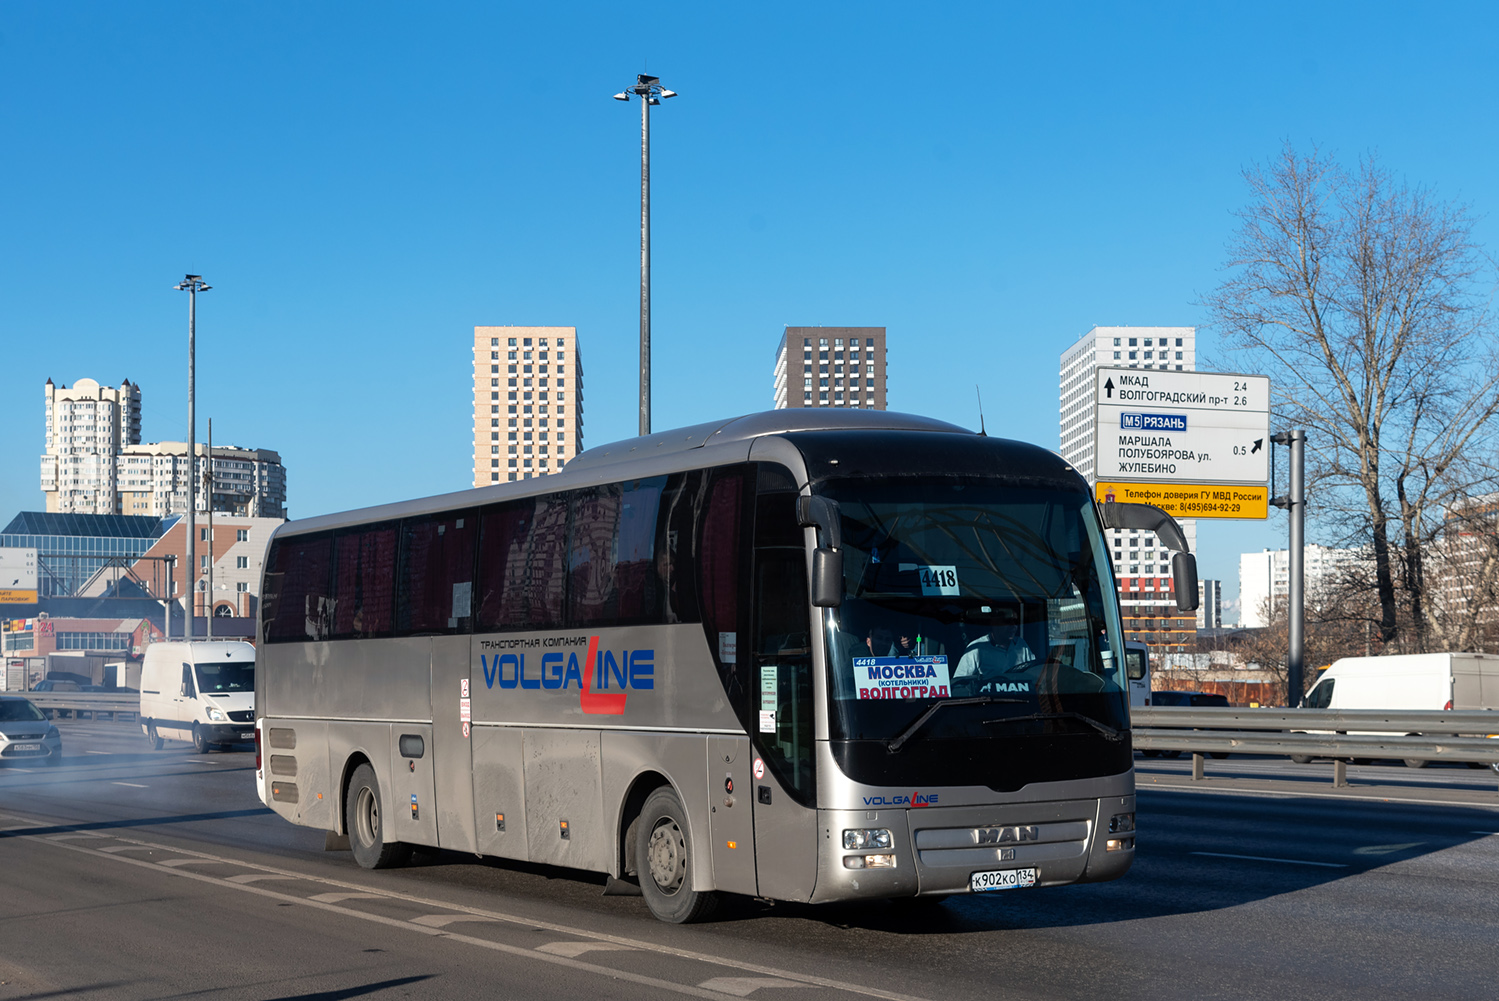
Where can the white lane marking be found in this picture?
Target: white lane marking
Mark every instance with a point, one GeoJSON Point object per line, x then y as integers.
{"type": "Point", "coordinates": [1485, 833]}
{"type": "Point", "coordinates": [333, 898]}
{"type": "Point", "coordinates": [443, 920]}
{"type": "Point", "coordinates": [572, 950]}
{"type": "Point", "coordinates": [127, 848]}
{"type": "Point", "coordinates": [743, 987]}
{"type": "Point", "coordinates": [512, 950]}
{"type": "Point", "coordinates": [173, 863]}
{"type": "Point", "coordinates": [67, 837]}
{"type": "Point", "coordinates": [257, 877]}
{"type": "Point", "coordinates": [1263, 858]}
{"type": "Point", "coordinates": [133, 785]}
{"type": "Point", "coordinates": [323, 904]}
{"type": "Point", "coordinates": [98, 752]}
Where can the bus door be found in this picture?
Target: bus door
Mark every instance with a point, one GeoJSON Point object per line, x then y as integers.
{"type": "Point", "coordinates": [779, 687]}
{"type": "Point", "coordinates": [452, 760]}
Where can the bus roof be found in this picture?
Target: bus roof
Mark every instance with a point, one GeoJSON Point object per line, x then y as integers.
{"type": "Point", "coordinates": [591, 466]}
{"type": "Point", "coordinates": [754, 426]}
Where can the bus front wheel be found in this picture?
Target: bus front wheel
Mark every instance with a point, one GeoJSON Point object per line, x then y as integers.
{"type": "Point", "coordinates": [366, 822]}
{"type": "Point", "coordinates": [665, 856]}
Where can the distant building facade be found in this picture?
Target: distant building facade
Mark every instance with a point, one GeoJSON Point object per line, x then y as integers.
{"type": "Point", "coordinates": [87, 427]}
{"type": "Point", "coordinates": [94, 462]}
{"type": "Point", "coordinates": [831, 367]}
{"type": "Point", "coordinates": [73, 548]}
{"type": "Point", "coordinates": [236, 550]}
{"type": "Point", "coordinates": [1265, 578]}
{"type": "Point", "coordinates": [1209, 604]}
{"type": "Point", "coordinates": [528, 402]}
{"type": "Point", "coordinates": [1142, 565]}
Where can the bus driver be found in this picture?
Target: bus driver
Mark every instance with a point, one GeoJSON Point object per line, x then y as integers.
{"type": "Point", "coordinates": [998, 652]}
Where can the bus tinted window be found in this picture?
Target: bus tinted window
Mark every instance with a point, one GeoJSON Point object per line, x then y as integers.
{"type": "Point", "coordinates": [435, 581]}
{"type": "Point", "coordinates": [546, 564]}
{"type": "Point", "coordinates": [364, 580]}
{"type": "Point", "coordinates": [612, 578]}
{"type": "Point", "coordinates": [719, 568]}
{"type": "Point", "coordinates": [297, 602]}
{"type": "Point", "coordinates": [504, 546]}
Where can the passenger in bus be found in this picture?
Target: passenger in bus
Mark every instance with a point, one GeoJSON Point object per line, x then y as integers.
{"type": "Point", "coordinates": [996, 654]}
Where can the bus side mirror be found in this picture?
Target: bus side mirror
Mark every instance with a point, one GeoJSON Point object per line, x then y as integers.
{"type": "Point", "coordinates": [1184, 581]}
{"type": "Point", "coordinates": [827, 578]}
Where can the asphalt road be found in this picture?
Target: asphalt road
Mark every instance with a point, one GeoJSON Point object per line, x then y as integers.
{"type": "Point", "coordinates": [127, 873]}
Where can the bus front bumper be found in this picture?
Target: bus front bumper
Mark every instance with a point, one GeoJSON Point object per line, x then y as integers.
{"type": "Point", "coordinates": [937, 851]}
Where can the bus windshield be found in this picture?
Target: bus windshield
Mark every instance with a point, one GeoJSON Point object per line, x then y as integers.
{"type": "Point", "coordinates": [975, 590]}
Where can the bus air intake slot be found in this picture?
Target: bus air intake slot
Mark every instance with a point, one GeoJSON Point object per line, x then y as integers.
{"type": "Point", "coordinates": [412, 745]}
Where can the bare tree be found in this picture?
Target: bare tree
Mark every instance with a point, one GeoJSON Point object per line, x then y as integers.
{"type": "Point", "coordinates": [1366, 300]}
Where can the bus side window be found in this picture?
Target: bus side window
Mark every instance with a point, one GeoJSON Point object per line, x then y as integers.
{"type": "Point", "coordinates": [302, 609]}
{"type": "Point", "coordinates": [364, 578]}
{"type": "Point", "coordinates": [611, 555]}
{"type": "Point", "coordinates": [434, 582]}
{"type": "Point", "coordinates": [674, 548]}
{"type": "Point", "coordinates": [719, 568]}
{"type": "Point", "coordinates": [504, 547]}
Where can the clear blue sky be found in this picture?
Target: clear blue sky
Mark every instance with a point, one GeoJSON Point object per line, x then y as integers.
{"type": "Point", "coordinates": [364, 182]}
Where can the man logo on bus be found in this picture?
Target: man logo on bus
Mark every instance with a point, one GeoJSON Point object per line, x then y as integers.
{"type": "Point", "coordinates": [631, 669]}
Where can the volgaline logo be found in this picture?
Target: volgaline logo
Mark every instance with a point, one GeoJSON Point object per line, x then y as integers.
{"type": "Point", "coordinates": [594, 675]}
{"type": "Point", "coordinates": [916, 799]}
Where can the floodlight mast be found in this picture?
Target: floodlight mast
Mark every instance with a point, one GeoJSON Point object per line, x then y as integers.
{"type": "Point", "coordinates": [192, 285]}
{"type": "Point", "coordinates": [650, 92]}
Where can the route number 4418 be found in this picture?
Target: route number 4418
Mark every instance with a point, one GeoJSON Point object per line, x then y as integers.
{"type": "Point", "coordinates": [938, 580]}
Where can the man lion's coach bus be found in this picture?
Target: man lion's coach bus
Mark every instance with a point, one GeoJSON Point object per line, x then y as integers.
{"type": "Point", "coordinates": [804, 655]}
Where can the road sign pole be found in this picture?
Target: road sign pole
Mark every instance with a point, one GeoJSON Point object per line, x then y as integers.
{"type": "Point", "coordinates": [1295, 504]}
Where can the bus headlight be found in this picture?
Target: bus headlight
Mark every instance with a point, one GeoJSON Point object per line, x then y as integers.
{"type": "Point", "coordinates": [1121, 823]}
{"type": "Point", "coordinates": [217, 715]}
{"type": "Point", "coordinates": [867, 838]}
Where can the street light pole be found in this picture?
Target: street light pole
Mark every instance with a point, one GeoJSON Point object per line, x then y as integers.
{"type": "Point", "coordinates": [650, 92]}
{"type": "Point", "coordinates": [192, 284]}
{"type": "Point", "coordinates": [1295, 504]}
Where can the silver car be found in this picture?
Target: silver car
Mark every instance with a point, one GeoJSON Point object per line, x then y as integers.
{"type": "Point", "coordinates": [25, 733]}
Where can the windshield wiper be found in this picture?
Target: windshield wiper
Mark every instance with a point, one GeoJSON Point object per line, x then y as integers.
{"type": "Point", "coordinates": [1102, 728]}
{"type": "Point", "coordinates": [899, 741]}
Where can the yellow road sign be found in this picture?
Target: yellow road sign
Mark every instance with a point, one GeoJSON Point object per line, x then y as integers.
{"type": "Point", "coordinates": [11, 596]}
{"type": "Point", "coordinates": [1192, 500]}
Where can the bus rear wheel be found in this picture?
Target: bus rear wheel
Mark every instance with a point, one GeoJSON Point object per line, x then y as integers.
{"type": "Point", "coordinates": [665, 855]}
{"type": "Point", "coordinates": [365, 821]}
{"type": "Point", "coordinates": [154, 737]}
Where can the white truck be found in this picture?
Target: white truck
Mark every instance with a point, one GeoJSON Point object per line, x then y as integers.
{"type": "Point", "coordinates": [202, 692]}
{"type": "Point", "coordinates": [1461, 681]}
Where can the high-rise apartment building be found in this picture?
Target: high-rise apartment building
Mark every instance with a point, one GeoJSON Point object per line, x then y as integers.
{"type": "Point", "coordinates": [95, 463]}
{"type": "Point", "coordinates": [1210, 604]}
{"type": "Point", "coordinates": [152, 479]}
{"type": "Point", "coordinates": [528, 402]}
{"type": "Point", "coordinates": [1142, 566]}
{"type": "Point", "coordinates": [87, 427]}
{"type": "Point", "coordinates": [831, 367]}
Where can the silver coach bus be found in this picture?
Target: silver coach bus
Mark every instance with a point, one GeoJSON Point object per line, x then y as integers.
{"type": "Point", "coordinates": [804, 655]}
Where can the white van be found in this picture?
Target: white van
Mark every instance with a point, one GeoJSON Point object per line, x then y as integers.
{"type": "Point", "coordinates": [1461, 681]}
{"type": "Point", "coordinates": [202, 692]}
{"type": "Point", "coordinates": [1409, 681]}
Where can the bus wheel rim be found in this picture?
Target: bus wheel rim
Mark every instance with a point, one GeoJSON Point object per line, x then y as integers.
{"type": "Point", "coordinates": [369, 816]}
{"type": "Point", "coordinates": [668, 856]}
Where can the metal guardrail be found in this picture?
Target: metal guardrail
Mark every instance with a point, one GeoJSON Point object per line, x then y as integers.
{"type": "Point", "coordinates": [1319, 733]}
{"type": "Point", "coordinates": [125, 704]}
